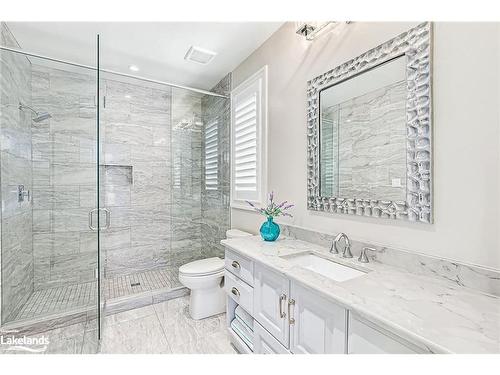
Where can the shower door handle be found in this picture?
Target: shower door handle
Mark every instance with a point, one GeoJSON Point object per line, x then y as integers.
{"type": "Point", "coordinates": [108, 218]}
{"type": "Point", "coordinates": [91, 218]}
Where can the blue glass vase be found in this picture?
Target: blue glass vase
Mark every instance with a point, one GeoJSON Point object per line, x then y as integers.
{"type": "Point", "coordinates": [269, 230]}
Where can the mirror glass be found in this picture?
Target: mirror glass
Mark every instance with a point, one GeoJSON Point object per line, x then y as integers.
{"type": "Point", "coordinates": [363, 135]}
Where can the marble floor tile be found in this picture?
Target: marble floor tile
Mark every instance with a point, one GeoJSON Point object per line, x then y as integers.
{"type": "Point", "coordinates": [125, 316]}
{"type": "Point", "coordinates": [161, 328]}
{"type": "Point", "coordinates": [188, 336]}
{"type": "Point", "coordinates": [66, 340]}
{"type": "Point", "coordinates": [90, 343]}
{"type": "Point", "coordinates": [137, 336]}
{"type": "Point", "coordinates": [174, 318]}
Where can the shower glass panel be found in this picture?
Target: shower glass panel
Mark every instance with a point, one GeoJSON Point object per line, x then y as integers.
{"type": "Point", "coordinates": [164, 173]}
{"type": "Point", "coordinates": [49, 254]}
{"type": "Point", "coordinates": [200, 174]}
{"type": "Point", "coordinates": [135, 188]}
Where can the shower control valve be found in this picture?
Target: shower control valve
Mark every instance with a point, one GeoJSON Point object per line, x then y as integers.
{"type": "Point", "coordinates": [22, 194]}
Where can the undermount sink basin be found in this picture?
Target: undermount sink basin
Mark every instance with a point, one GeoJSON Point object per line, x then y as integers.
{"type": "Point", "coordinates": [326, 267]}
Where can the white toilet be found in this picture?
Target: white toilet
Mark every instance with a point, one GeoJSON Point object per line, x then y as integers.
{"type": "Point", "coordinates": [204, 278]}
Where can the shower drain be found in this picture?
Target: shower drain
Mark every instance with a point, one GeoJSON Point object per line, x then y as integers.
{"type": "Point", "coordinates": [135, 284]}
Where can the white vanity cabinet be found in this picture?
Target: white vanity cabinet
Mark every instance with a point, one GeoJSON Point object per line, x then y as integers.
{"type": "Point", "coordinates": [271, 290]}
{"type": "Point", "coordinates": [290, 318]}
{"type": "Point", "coordinates": [317, 325]}
{"type": "Point", "coordinates": [265, 343]}
{"type": "Point", "coordinates": [296, 317]}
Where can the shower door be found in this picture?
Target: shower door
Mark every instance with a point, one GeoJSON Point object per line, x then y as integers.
{"type": "Point", "coordinates": [50, 227]}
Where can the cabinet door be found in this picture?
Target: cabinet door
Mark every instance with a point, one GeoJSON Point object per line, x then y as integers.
{"type": "Point", "coordinates": [265, 343]}
{"type": "Point", "coordinates": [317, 325]}
{"type": "Point", "coordinates": [271, 291]}
{"type": "Point", "coordinates": [364, 338]}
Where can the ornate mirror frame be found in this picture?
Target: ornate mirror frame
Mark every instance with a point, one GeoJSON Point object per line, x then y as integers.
{"type": "Point", "coordinates": [415, 45]}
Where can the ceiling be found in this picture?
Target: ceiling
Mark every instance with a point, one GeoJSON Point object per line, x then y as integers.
{"type": "Point", "coordinates": [156, 48]}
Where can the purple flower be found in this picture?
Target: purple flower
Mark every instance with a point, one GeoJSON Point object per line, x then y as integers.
{"type": "Point", "coordinates": [282, 204]}
{"type": "Point", "coordinates": [272, 209]}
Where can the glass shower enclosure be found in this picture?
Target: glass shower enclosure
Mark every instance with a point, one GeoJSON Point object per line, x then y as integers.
{"type": "Point", "coordinates": [49, 192]}
{"type": "Point", "coordinates": [108, 184]}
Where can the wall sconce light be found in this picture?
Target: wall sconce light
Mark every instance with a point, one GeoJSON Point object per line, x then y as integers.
{"type": "Point", "coordinates": [312, 29]}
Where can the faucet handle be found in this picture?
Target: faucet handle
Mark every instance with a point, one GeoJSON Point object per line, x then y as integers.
{"type": "Point", "coordinates": [363, 258]}
{"type": "Point", "coordinates": [333, 248]}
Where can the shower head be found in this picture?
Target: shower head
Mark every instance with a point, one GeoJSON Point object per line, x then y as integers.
{"type": "Point", "coordinates": [39, 116]}
{"type": "Point", "coordinates": [42, 116]}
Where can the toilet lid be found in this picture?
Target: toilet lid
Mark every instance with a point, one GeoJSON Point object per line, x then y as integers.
{"type": "Point", "coordinates": [202, 267]}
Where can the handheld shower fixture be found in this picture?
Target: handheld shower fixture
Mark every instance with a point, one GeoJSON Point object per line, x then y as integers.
{"type": "Point", "coordinates": [39, 116]}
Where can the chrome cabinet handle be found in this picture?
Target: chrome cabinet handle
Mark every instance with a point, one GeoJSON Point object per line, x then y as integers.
{"type": "Point", "coordinates": [235, 291]}
{"type": "Point", "coordinates": [236, 265]}
{"type": "Point", "coordinates": [291, 304]}
{"type": "Point", "coordinates": [281, 300]}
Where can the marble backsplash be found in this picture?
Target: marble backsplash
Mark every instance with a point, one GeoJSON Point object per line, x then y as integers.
{"type": "Point", "coordinates": [471, 276]}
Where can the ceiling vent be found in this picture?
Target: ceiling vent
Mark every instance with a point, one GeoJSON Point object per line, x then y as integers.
{"type": "Point", "coordinates": [199, 55]}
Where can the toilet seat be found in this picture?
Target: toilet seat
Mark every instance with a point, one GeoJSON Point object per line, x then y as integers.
{"type": "Point", "coordinates": [202, 267]}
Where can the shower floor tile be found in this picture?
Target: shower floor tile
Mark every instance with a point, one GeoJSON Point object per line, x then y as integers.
{"type": "Point", "coordinates": [140, 282]}
{"type": "Point", "coordinates": [56, 300]}
{"type": "Point", "coordinates": [84, 296]}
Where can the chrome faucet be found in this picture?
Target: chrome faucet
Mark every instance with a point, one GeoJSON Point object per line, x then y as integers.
{"type": "Point", "coordinates": [363, 258]}
{"type": "Point", "coordinates": [346, 253]}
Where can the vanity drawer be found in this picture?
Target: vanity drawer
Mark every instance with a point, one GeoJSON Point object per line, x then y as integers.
{"type": "Point", "coordinates": [239, 266]}
{"type": "Point", "coordinates": [239, 291]}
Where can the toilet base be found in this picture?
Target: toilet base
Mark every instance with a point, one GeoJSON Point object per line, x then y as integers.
{"type": "Point", "coordinates": [207, 302]}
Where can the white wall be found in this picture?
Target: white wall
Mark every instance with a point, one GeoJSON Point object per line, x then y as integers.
{"type": "Point", "coordinates": [466, 136]}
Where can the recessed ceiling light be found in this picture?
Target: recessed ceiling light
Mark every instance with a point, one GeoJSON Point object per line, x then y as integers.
{"type": "Point", "coordinates": [199, 55]}
{"type": "Point", "coordinates": [128, 96]}
{"type": "Point", "coordinates": [134, 68]}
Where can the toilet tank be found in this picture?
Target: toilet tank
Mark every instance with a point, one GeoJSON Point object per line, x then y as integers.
{"type": "Point", "coordinates": [236, 233]}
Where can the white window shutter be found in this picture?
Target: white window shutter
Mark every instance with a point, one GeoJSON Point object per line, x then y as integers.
{"type": "Point", "coordinates": [211, 156]}
{"type": "Point", "coordinates": [248, 140]}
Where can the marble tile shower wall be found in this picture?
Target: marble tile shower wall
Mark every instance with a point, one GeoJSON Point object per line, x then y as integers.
{"type": "Point", "coordinates": [64, 177]}
{"type": "Point", "coordinates": [135, 177]}
{"type": "Point", "coordinates": [215, 219]}
{"type": "Point", "coordinates": [16, 255]}
{"type": "Point", "coordinates": [186, 177]}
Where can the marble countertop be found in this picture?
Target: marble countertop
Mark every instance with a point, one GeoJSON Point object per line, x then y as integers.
{"type": "Point", "coordinates": [434, 314]}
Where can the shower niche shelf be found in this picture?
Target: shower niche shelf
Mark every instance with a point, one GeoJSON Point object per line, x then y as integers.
{"type": "Point", "coordinates": [116, 174]}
